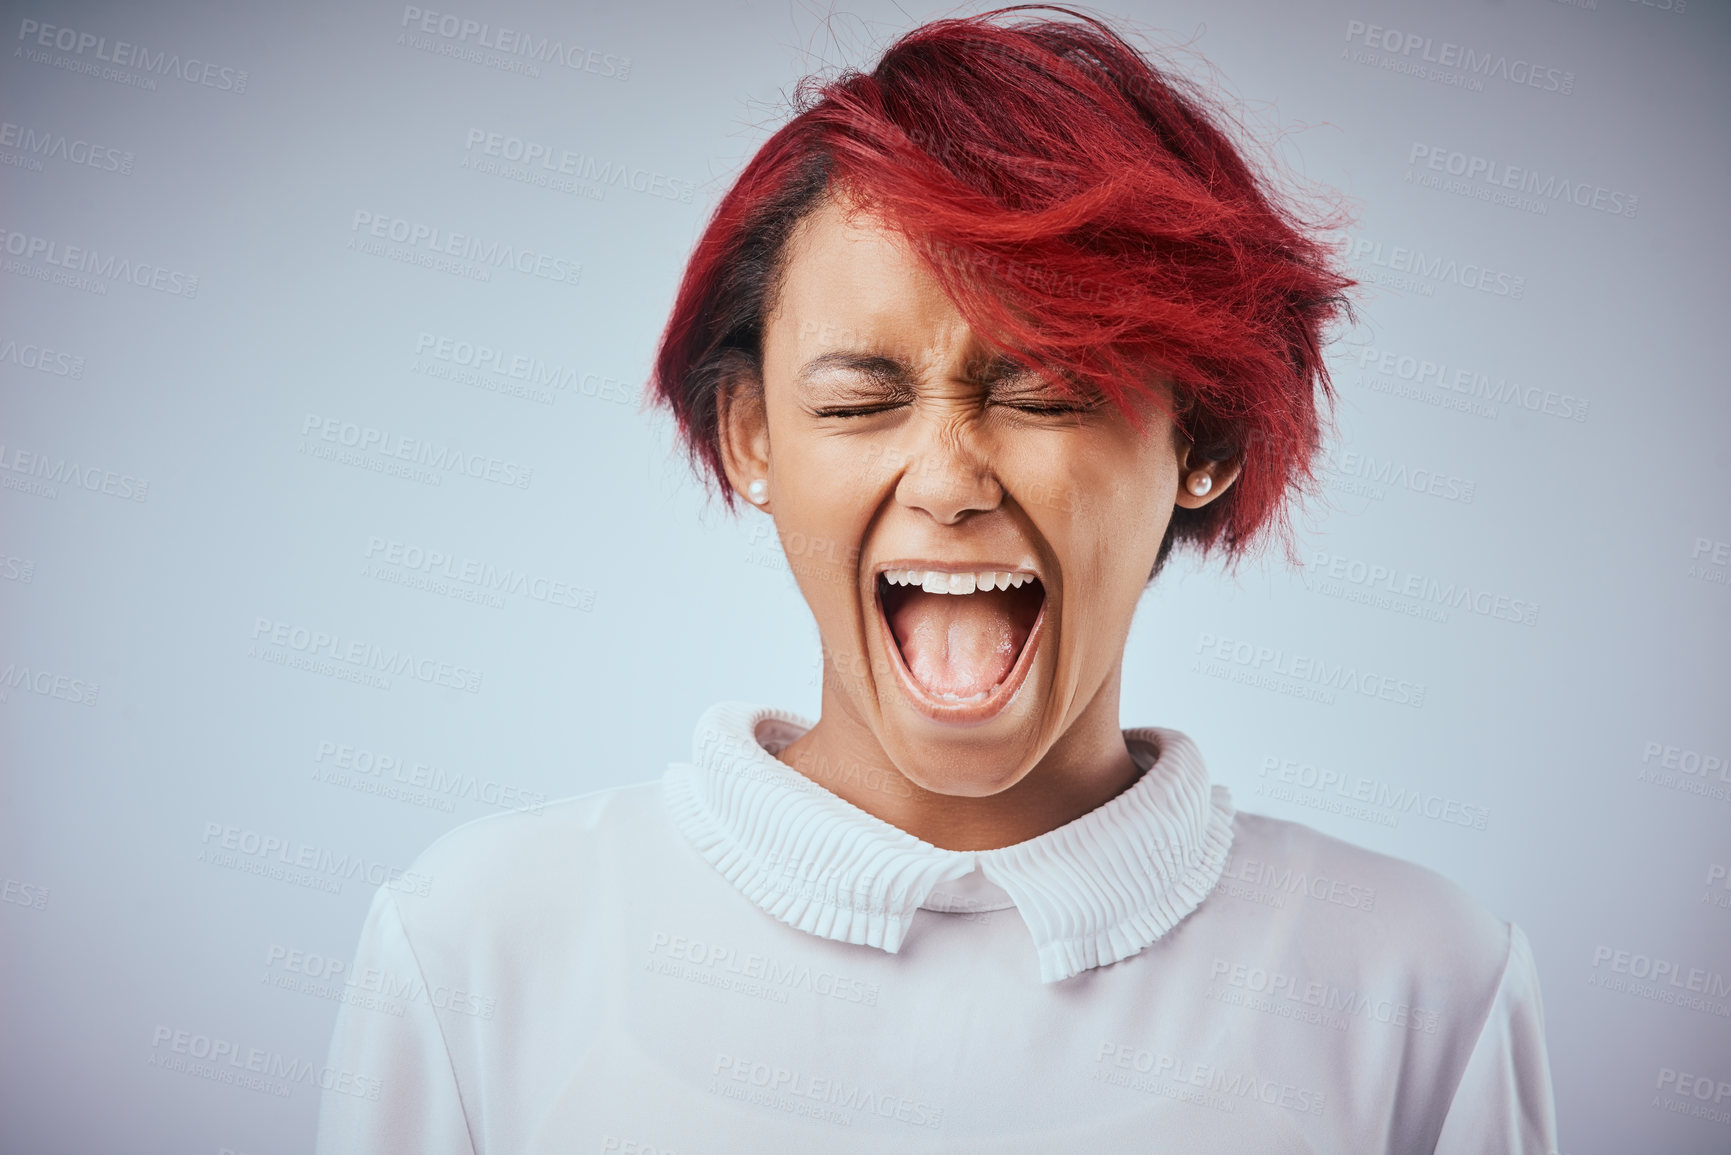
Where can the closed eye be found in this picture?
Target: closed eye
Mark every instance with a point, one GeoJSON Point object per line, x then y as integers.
{"type": "Point", "coordinates": [1047, 407]}
{"type": "Point", "coordinates": [856, 410]}
{"type": "Point", "coordinates": [855, 384]}
{"type": "Point", "coordinates": [1029, 392]}
{"type": "Point", "coordinates": [1049, 404]}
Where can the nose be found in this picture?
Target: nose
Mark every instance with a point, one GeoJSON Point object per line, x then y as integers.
{"type": "Point", "coordinates": [946, 475]}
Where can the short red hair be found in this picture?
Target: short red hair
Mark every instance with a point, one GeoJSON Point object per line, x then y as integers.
{"type": "Point", "coordinates": [1086, 215]}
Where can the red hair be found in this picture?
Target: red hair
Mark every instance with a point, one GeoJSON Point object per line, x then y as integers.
{"type": "Point", "coordinates": [1087, 217]}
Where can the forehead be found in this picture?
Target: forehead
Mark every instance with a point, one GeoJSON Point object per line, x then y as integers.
{"type": "Point", "coordinates": [847, 278]}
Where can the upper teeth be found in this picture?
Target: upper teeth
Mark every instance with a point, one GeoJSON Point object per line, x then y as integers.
{"type": "Point", "coordinates": [938, 582]}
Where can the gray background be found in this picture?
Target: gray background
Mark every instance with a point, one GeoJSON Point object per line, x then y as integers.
{"type": "Point", "coordinates": [169, 503]}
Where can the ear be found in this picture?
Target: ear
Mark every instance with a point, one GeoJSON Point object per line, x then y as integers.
{"type": "Point", "coordinates": [1221, 475]}
{"type": "Point", "coordinates": [743, 426]}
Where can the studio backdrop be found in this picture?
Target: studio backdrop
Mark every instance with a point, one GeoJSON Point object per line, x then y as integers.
{"type": "Point", "coordinates": [331, 518]}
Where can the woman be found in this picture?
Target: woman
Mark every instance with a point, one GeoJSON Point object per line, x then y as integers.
{"type": "Point", "coordinates": [987, 332]}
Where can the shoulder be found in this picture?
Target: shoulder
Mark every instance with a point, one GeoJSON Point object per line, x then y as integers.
{"type": "Point", "coordinates": [509, 869]}
{"type": "Point", "coordinates": [565, 825]}
{"type": "Point", "coordinates": [1390, 915]}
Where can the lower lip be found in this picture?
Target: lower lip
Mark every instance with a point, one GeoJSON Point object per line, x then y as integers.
{"type": "Point", "coordinates": [963, 713]}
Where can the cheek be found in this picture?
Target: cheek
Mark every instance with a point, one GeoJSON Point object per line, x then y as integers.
{"type": "Point", "coordinates": [823, 508]}
{"type": "Point", "coordinates": [1147, 483]}
{"type": "Point", "coordinates": [822, 545]}
{"type": "Point", "coordinates": [1106, 503]}
{"type": "Point", "coordinates": [1106, 542]}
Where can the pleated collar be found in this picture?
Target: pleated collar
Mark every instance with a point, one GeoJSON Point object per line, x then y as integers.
{"type": "Point", "coordinates": [1092, 892]}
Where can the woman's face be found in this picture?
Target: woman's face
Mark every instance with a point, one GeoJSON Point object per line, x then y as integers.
{"type": "Point", "coordinates": [894, 441]}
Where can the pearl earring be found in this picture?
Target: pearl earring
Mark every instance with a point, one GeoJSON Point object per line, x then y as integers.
{"type": "Point", "coordinates": [1199, 484]}
{"type": "Point", "coordinates": [758, 491]}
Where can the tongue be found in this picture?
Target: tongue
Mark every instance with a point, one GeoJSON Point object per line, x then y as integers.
{"type": "Point", "coordinates": [961, 644]}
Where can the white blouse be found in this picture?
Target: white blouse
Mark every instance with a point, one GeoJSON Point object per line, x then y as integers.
{"type": "Point", "coordinates": [735, 959]}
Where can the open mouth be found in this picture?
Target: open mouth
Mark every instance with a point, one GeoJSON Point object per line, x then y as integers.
{"type": "Point", "coordinates": [964, 637]}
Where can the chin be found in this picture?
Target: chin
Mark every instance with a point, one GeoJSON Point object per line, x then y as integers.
{"type": "Point", "coordinates": [971, 771]}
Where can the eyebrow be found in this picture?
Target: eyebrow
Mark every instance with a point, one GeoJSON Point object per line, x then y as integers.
{"type": "Point", "coordinates": [887, 370]}
{"type": "Point", "coordinates": [880, 368]}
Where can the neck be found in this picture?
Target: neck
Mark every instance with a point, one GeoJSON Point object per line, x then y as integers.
{"type": "Point", "coordinates": [1085, 768]}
